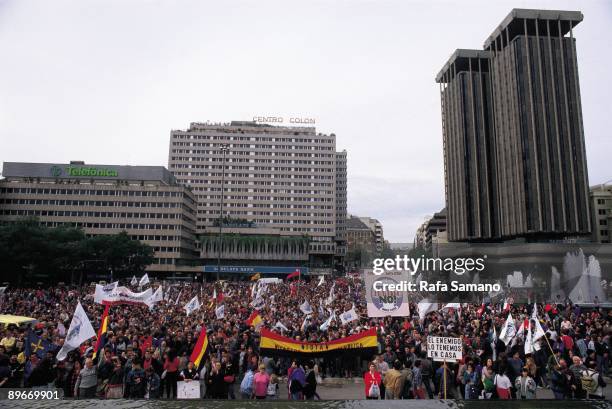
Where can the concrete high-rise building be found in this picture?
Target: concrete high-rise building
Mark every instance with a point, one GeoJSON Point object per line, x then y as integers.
{"type": "Point", "coordinates": [144, 201]}
{"type": "Point", "coordinates": [515, 161]}
{"type": "Point", "coordinates": [601, 202]}
{"type": "Point", "coordinates": [341, 205]}
{"type": "Point", "coordinates": [278, 182]}
{"type": "Point", "coordinates": [468, 144]}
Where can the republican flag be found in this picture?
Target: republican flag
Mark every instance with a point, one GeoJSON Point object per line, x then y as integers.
{"type": "Point", "coordinates": [296, 273]}
{"type": "Point", "coordinates": [80, 330]}
{"type": "Point", "coordinates": [254, 320]}
{"type": "Point", "coordinates": [102, 331]}
{"type": "Point", "coordinates": [200, 348]}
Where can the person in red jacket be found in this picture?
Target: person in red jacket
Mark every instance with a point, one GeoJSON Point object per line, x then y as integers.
{"type": "Point", "coordinates": [369, 378]}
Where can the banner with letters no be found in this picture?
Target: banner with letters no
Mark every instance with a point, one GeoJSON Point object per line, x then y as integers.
{"type": "Point", "coordinates": [384, 303]}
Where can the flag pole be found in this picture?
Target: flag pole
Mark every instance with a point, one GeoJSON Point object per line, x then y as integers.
{"type": "Point", "coordinates": [444, 371]}
{"type": "Point", "coordinates": [551, 350]}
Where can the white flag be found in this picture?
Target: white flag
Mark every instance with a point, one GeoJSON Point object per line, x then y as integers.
{"type": "Point", "coordinates": [454, 305]}
{"type": "Point", "coordinates": [80, 330]}
{"type": "Point", "coordinates": [538, 331]}
{"type": "Point", "coordinates": [348, 316]}
{"type": "Point", "coordinates": [2, 290]}
{"type": "Point", "coordinates": [144, 280]}
{"type": "Point", "coordinates": [61, 329]}
{"type": "Point", "coordinates": [328, 322]}
{"type": "Point", "coordinates": [134, 281]}
{"type": "Point", "coordinates": [178, 297]}
{"type": "Point", "coordinates": [331, 297]}
{"type": "Point", "coordinates": [306, 319]}
{"type": "Point", "coordinates": [281, 326]}
{"type": "Point", "coordinates": [220, 312]}
{"type": "Point", "coordinates": [258, 303]}
{"type": "Point", "coordinates": [157, 295]}
{"type": "Point", "coordinates": [531, 344]}
{"type": "Point", "coordinates": [192, 305]}
{"type": "Point", "coordinates": [508, 330]}
{"type": "Point", "coordinates": [494, 343]}
{"type": "Point", "coordinates": [426, 307]}
{"type": "Point", "coordinates": [321, 311]}
{"type": "Point", "coordinates": [306, 308]}
{"type": "Point", "coordinates": [321, 281]}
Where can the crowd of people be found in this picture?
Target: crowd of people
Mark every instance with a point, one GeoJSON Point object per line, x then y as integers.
{"type": "Point", "coordinates": [147, 351]}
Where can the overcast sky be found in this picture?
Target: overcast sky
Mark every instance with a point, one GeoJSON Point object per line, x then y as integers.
{"type": "Point", "coordinates": [106, 81]}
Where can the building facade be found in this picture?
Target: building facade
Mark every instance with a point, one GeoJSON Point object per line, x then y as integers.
{"type": "Point", "coordinates": [601, 211]}
{"type": "Point", "coordinates": [377, 229]}
{"type": "Point", "coordinates": [360, 238]}
{"type": "Point", "coordinates": [272, 182]}
{"type": "Point", "coordinates": [515, 161]}
{"type": "Point", "coordinates": [145, 201]}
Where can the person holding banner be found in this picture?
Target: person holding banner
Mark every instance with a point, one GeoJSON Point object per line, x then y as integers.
{"type": "Point", "coordinates": [372, 381]}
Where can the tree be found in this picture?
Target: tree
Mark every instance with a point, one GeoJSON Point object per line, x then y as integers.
{"type": "Point", "coordinates": [31, 252]}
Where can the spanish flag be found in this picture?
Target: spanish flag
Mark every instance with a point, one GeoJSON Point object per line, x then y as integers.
{"type": "Point", "coordinates": [254, 320]}
{"type": "Point", "coordinates": [200, 348]}
{"type": "Point", "coordinates": [363, 344]}
{"type": "Point", "coordinates": [255, 277]}
{"type": "Point", "coordinates": [102, 331]}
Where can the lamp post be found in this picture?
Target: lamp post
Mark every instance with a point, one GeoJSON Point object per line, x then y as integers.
{"type": "Point", "coordinates": [224, 151]}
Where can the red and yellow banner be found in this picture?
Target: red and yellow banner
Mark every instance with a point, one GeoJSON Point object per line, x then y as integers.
{"type": "Point", "coordinates": [363, 343]}
{"type": "Point", "coordinates": [200, 348]}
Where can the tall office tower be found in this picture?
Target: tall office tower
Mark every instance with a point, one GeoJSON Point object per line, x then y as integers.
{"type": "Point", "coordinates": [538, 117]}
{"type": "Point", "coordinates": [278, 182]}
{"type": "Point", "coordinates": [469, 148]}
{"type": "Point", "coordinates": [539, 162]}
{"type": "Point", "coordinates": [341, 206]}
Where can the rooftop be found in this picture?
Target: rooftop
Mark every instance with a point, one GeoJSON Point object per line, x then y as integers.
{"type": "Point", "coordinates": [514, 23]}
{"type": "Point", "coordinates": [461, 59]}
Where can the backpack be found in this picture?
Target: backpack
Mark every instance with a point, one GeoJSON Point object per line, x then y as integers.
{"type": "Point", "coordinates": [488, 385]}
{"type": "Point", "coordinates": [246, 386]}
{"type": "Point", "coordinates": [587, 381]}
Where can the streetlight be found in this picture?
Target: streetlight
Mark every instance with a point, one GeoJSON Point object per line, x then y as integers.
{"type": "Point", "coordinates": [224, 151]}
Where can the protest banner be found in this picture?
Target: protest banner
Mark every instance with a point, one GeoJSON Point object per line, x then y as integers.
{"type": "Point", "coordinates": [188, 390]}
{"type": "Point", "coordinates": [363, 343]}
